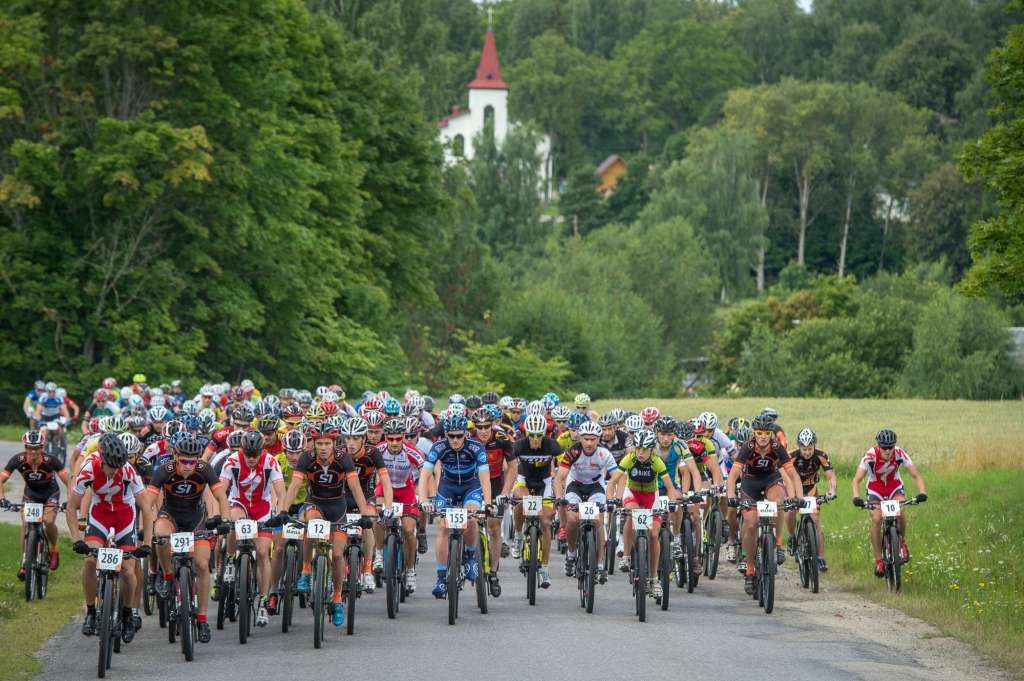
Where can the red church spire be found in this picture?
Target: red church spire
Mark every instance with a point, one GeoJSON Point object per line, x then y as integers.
{"type": "Point", "coordinates": [488, 72]}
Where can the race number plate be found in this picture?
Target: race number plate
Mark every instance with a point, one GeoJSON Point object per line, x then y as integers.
{"type": "Point", "coordinates": [809, 506]}
{"type": "Point", "coordinates": [456, 518]}
{"type": "Point", "coordinates": [292, 531]}
{"type": "Point", "coordinates": [767, 509]}
{"type": "Point", "coordinates": [109, 559]}
{"type": "Point", "coordinates": [397, 508]}
{"type": "Point", "coordinates": [663, 504]}
{"type": "Point", "coordinates": [351, 518]}
{"type": "Point", "coordinates": [53, 425]}
{"type": "Point", "coordinates": [183, 542]}
{"type": "Point", "coordinates": [532, 506]}
{"type": "Point", "coordinates": [891, 508]}
{"type": "Point", "coordinates": [245, 529]}
{"type": "Point", "coordinates": [318, 528]}
{"type": "Point", "coordinates": [642, 518]}
{"type": "Point", "coordinates": [33, 513]}
{"type": "Point", "coordinates": [588, 510]}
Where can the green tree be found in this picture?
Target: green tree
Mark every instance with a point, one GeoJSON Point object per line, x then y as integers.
{"type": "Point", "coordinates": [771, 33]}
{"type": "Point", "coordinates": [927, 69]}
{"type": "Point", "coordinates": [941, 211]}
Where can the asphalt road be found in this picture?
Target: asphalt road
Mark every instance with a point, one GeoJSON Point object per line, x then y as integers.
{"type": "Point", "coordinates": [714, 633]}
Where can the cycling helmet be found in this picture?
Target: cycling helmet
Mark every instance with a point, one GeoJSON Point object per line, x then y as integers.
{"type": "Point", "coordinates": [535, 423]}
{"type": "Point", "coordinates": [190, 423]}
{"type": "Point", "coordinates": [519, 403]}
{"type": "Point", "coordinates": [374, 419]}
{"type": "Point", "coordinates": [582, 400]}
{"type": "Point", "coordinates": [372, 403]}
{"type": "Point", "coordinates": [456, 409]}
{"type": "Point", "coordinates": [761, 422]}
{"type": "Point", "coordinates": [535, 408]}
{"type": "Point", "coordinates": [473, 402]}
{"type": "Point", "coordinates": [32, 438]}
{"type": "Point", "coordinates": [319, 430]}
{"type": "Point", "coordinates": [482, 415]}
{"type": "Point", "coordinates": [93, 425]}
{"type": "Point", "coordinates": [886, 437]}
{"type": "Point", "coordinates": [207, 421]}
{"type": "Point", "coordinates": [619, 414]}
{"type": "Point", "coordinates": [234, 439]}
{"type": "Point", "coordinates": [650, 415]}
{"type": "Point", "coordinates": [261, 408]}
{"type": "Point", "coordinates": [588, 428]}
{"type": "Point", "coordinates": [413, 426]}
{"type": "Point", "coordinates": [392, 407]}
{"type": "Point", "coordinates": [339, 392]}
{"type": "Point", "coordinates": [108, 382]}
{"type": "Point", "coordinates": [268, 423]}
{"type": "Point", "coordinates": [551, 400]}
{"type": "Point", "coordinates": [286, 393]}
{"type": "Point", "coordinates": [294, 441]}
{"type": "Point", "coordinates": [493, 410]}
{"type": "Point", "coordinates": [744, 433]}
{"type": "Point", "coordinates": [806, 438]}
{"type": "Point", "coordinates": [132, 444]}
{"type": "Point", "coordinates": [737, 422]}
{"type": "Point", "coordinates": [136, 421]}
{"type": "Point", "coordinates": [329, 407]}
{"type": "Point", "coordinates": [428, 403]}
{"type": "Point", "coordinates": [560, 413]}
{"type": "Point", "coordinates": [157, 401]}
{"type": "Point", "coordinates": [190, 407]}
{"type": "Point", "coordinates": [607, 419]}
{"type": "Point", "coordinates": [272, 401]}
{"type": "Point", "coordinates": [709, 421]}
{"type": "Point", "coordinates": [322, 390]}
{"type": "Point", "coordinates": [489, 397]}
{"type": "Point", "coordinates": [644, 439]}
{"type": "Point", "coordinates": [116, 424]}
{"type": "Point", "coordinates": [173, 426]}
{"type": "Point", "coordinates": [336, 421]}
{"type": "Point", "coordinates": [770, 413]}
{"type": "Point", "coordinates": [394, 426]}
{"type": "Point", "coordinates": [292, 414]}
{"type": "Point", "coordinates": [188, 445]}
{"type": "Point", "coordinates": [112, 450]}
{"type": "Point", "coordinates": [355, 427]}
{"type": "Point", "coordinates": [409, 409]}
{"type": "Point", "coordinates": [51, 387]}
{"type": "Point", "coordinates": [664, 424]}
{"type": "Point", "coordinates": [159, 414]}
{"type": "Point", "coordinates": [243, 414]}
{"type": "Point", "coordinates": [577, 419]}
{"type": "Point", "coordinates": [634, 423]}
{"type": "Point", "coordinates": [454, 422]}
{"type": "Point", "coordinates": [685, 430]}
{"type": "Point", "coordinates": [505, 402]}
{"type": "Point", "coordinates": [315, 413]}
{"type": "Point", "coordinates": [456, 398]}
{"type": "Point", "coordinates": [252, 443]}
{"type": "Point", "coordinates": [383, 395]}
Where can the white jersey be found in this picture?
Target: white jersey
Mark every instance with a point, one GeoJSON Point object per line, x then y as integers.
{"type": "Point", "coordinates": [587, 469]}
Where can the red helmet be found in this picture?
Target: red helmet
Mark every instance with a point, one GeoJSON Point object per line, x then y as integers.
{"type": "Point", "coordinates": [101, 394]}
{"type": "Point", "coordinates": [372, 404]}
{"type": "Point", "coordinates": [337, 390]}
{"type": "Point", "coordinates": [109, 383]}
{"type": "Point", "coordinates": [237, 395]}
{"type": "Point", "coordinates": [329, 408]}
{"type": "Point", "coordinates": [93, 426]}
{"type": "Point", "coordinates": [383, 395]}
{"type": "Point", "coordinates": [292, 413]}
{"type": "Point", "coordinates": [649, 415]}
{"type": "Point", "coordinates": [374, 419]}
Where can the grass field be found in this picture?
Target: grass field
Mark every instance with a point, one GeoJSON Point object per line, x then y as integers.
{"type": "Point", "coordinates": [25, 626]}
{"type": "Point", "coordinates": [965, 542]}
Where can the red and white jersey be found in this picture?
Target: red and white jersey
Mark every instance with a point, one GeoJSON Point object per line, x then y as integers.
{"type": "Point", "coordinates": [883, 470]}
{"type": "Point", "coordinates": [403, 467]}
{"type": "Point", "coordinates": [157, 453]}
{"type": "Point", "coordinates": [115, 493]}
{"type": "Point", "coordinates": [250, 485]}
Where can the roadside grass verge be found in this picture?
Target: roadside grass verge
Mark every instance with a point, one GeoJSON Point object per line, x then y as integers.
{"type": "Point", "coordinates": [11, 432]}
{"type": "Point", "coordinates": [24, 627]}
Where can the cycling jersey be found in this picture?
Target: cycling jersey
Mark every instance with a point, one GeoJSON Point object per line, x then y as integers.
{"type": "Point", "coordinates": [586, 468]}
{"type": "Point", "coordinates": [883, 471]}
{"type": "Point", "coordinates": [758, 463]}
{"type": "Point", "coordinates": [112, 510]}
{"type": "Point", "coordinates": [565, 440]}
{"type": "Point", "coordinates": [642, 476]}
{"type": "Point", "coordinates": [499, 450]}
{"type": "Point", "coordinates": [158, 453]}
{"type": "Point", "coordinates": [724, 446]}
{"type": "Point", "coordinates": [535, 464]}
{"type": "Point", "coordinates": [403, 467]}
{"type": "Point", "coordinates": [250, 486]}
{"type": "Point", "coordinates": [286, 471]}
{"type": "Point", "coordinates": [676, 453]}
{"type": "Point", "coordinates": [808, 468]}
{"type": "Point", "coordinates": [40, 481]}
{"type": "Point", "coordinates": [702, 449]}
{"type": "Point", "coordinates": [618, 445]}
{"type": "Point", "coordinates": [458, 466]}
{"type": "Point", "coordinates": [370, 467]}
{"type": "Point", "coordinates": [183, 493]}
{"type": "Point", "coordinates": [51, 408]}
{"type": "Point", "coordinates": [327, 481]}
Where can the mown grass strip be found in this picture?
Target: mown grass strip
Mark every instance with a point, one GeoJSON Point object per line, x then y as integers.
{"type": "Point", "coordinates": [24, 627]}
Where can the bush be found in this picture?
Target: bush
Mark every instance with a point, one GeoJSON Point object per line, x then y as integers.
{"type": "Point", "coordinates": [504, 368]}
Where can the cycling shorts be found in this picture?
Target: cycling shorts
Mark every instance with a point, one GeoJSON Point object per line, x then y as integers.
{"type": "Point", "coordinates": [641, 499]}
{"type": "Point", "coordinates": [332, 510]}
{"type": "Point", "coordinates": [451, 494]}
{"type": "Point", "coordinates": [121, 521]}
{"type": "Point", "coordinates": [406, 494]}
{"type": "Point", "coordinates": [756, 488]}
{"type": "Point", "coordinates": [46, 497]}
{"type": "Point", "coordinates": [886, 493]}
{"type": "Point", "coordinates": [188, 521]}
{"type": "Point", "coordinates": [577, 492]}
{"type": "Point", "coordinates": [541, 487]}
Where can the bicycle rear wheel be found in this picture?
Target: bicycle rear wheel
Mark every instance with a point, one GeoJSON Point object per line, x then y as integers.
{"type": "Point", "coordinates": [104, 619]}
{"type": "Point", "coordinates": [148, 597]}
{"type": "Point", "coordinates": [712, 541]}
{"type": "Point", "coordinates": [391, 575]}
{"type": "Point", "coordinates": [355, 566]}
{"type": "Point", "coordinates": [639, 561]}
{"type": "Point", "coordinates": [184, 616]}
{"type": "Point", "coordinates": [452, 577]}
{"type": "Point", "coordinates": [611, 543]}
{"type": "Point", "coordinates": [485, 568]}
{"type": "Point", "coordinates": [319, 598]}
{"type": "Point", "coordinates": [590, 569]}
{"type": "Point", "coordinates": [289, 575]}
{"type": "Point", "coordinates": [242, 583]}
{"type": "Point", "coordinates": [532, 564]}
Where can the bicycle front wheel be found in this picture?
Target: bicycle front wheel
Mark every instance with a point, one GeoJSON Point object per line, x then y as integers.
{"type": "Point", "coordinates": [665, 565]}
{"type": "Point", "coordinates": [30, 565]}
{"type": "Point", "coordinates": [532, 564]}
{"type": "Point", "coordinates": [589, 570]}
{"type": "Point", "coordinates": [186, 626]}
{"type": "Point", "coordinates": [289, 575]}
{"type": "Point", "coordinates": [712, 541]}
{"type": "Point", "coordinates": [482, 555]}
{"type": "Point", "coordinates": [689, 554]}
{"type": "Point", "coordinates": [245, 597]}
{"type": "Point", "coordinates": [355, 566]}
{"type": "Point", "coordinates": [391, 575]}
{"type": "Point", "coordinates": [810, 554]}
{"type": "Point", "coordinates": [319, 598]}
{"type": "Point", "coordinates": [611, 543]}
{"type": "Point", "coordinates": [895, 573]}
{"type": "Point", "coordinates": [104, 617]}
{"type": "Point", "coordinates": [768, 579]}
{"type": "Point", "coordinates": [452, 586]}
{"type": "Point", "coordinates": [639, 562]}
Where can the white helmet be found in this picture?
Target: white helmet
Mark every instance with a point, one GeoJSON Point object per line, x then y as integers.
{"type": "Point", "coordinates": [535, 423]}
{"type": "Point", "coordinates": [709, 420]}
{"type": "Point", "coordinates": [634, 423]}
{"type": "Point", "coordinates": [536, 408]}
{"type": "Point", "coordinates": [806, 438]}
{"type": "Point", "coordinates": [589, 428]}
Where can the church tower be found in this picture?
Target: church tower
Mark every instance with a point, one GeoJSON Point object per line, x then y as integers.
{"type": "Point", "coordinates": [488, 93]}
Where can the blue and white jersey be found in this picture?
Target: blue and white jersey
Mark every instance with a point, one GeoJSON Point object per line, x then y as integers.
{"type": "Point", "coordinates": [458, 466]}
{"type": "Point", "coordinates": [51, 407]}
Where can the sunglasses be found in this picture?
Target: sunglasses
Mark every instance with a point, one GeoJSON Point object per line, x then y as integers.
{"type": "Point", "coordinates": [886, 449]}
{"type": "Point", "coordinates": [395, 438]}
{"type": "Point", "coordinates": [455, 436]}
{"type": "Point", "coordinates": [484, 426]}
{"type": "Point", "coordinates": [187, 462]}
{"type": "Point", "coordinates": [535, 435]}
{"type": "Point", "coordinates": [762, 433]}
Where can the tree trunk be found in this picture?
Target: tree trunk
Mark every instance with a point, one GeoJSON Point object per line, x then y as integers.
{"type": "Point", "coordinates": [759, 267]}
{"type": "Point", "coordinates": [885, 232]}
{"type": "Point", "coordinates": [846, 231]}
{"type": "Point", "coordinates": [805, 195]}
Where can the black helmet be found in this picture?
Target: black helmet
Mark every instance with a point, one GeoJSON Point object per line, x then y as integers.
{"type": "Point", "coordinates": [189, 445]}
{"type": "Point", "coordinates": [481, 415]}
{"type": "Point", "coordinates": [771, 413]}
{"type": "Point", "coordinates": [473, 402]}
{"type": "Point", "coordinates": [268, 423]}
{"type": "Point", "coordinates": [428, 403]}
{"type": "Point", "coordinates": [395, 426]}
{"type": "Point", "coordinates": [243, 413]}
{"type": "Point", "coordinates": [685, 430]}
{"type": "Point", "coordinates": [886, 437]}
{"type": "Point", "coordinates": [762, 422]}
{"type": "Point", "coordinates": [32, 438]}
{"type": "Point", "coordinates": [489, 398]}
{"type": "Point", "coordinates": [664, 424]}
{"type": "Point", "coordinates": [252, 443]}
{"type": "Point", "coordinates": [113, 451]}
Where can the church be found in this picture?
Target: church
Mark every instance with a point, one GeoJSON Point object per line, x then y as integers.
{"type": "Point", "coordinates": [488, 100]}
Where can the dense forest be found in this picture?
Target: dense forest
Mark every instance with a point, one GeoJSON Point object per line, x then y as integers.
{"type": "Point", "coordinates": [819, 202]}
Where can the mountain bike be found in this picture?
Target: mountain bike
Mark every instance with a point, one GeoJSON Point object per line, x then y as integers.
{"type": "Point", "coordinates": [290, 568]}
{"type": "Point", "coordinates": [766, 565]}
{"type": "Point", "coordinates": [183, 606]}
{"type": "Point", "coordinates": [224, 586]}
{"type": "Point", "coordinates": [56, 440]}
{"type": "Point", "coordinates": [456, 520]}
{"type": "Point", "coordinates": [109, 562]}
{"type": "Point", "coordinates": [666, 566]}
{"type": "Point", "coordinates": [586, 551]}
{"type": "Point", "coordinates": [711, 546]}
{"type": "Point", "coordinates": [611, 541]}
{"type": "Point", "coordinates": [532, 558]}
{"type": "Point", "coordinates": [246, 591]}
{"type": "Point", "coordinates": [487, 580]}
{"type": "Point", "coordinates": [892, 538]}
{"type": "Point", "coordinates": [685, 573]}
{"type": "Point", "coordinates": [36, 556]}
{"type": "Point", "coordinates": [643, 519]}
{"type": "Point", "coordinates": [394, 561]}
{"type": "Point", "coordinates": [807, 542]}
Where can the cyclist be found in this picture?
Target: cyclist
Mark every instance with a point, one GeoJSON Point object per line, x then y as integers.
{"type": "Point", "coordinates": [513, 417]}
{"type": "Point", "coordinates": [112, 511]}
{"type": "Point", "coordinates": [101, 405]}
{"type": "Point", "coordinates": [293, 446]}
{"type": "Point", "coordinates": [178, 487]}
{"type": "Point", "coordinates": [777, 432]}
{"type": "Point", "coordinates": [536, 455]}
{"type": "Point", "coordinates": [808, 460]}
{"type": "Point", "coordinates": [329, 472]}
{"type": "Point", "coordinates": [31, 400]}
{"type": "Point", "coordinates": [677, 457]}
{"type": "Point", "coordinates": [502, 472]}
{"type": "Point", "coordinates": [741, 434]}
{"type": "Point", "coordinates": [251, 474]}
{"type": "Point", "coordinates": [465, 481]}
{"type": "Point", "coordinates": [881, 465]}
{"type": "Point", "coordinates": [758, 468]}
{"type": "Point", "coordinates": [613, 439]}
{"type": "Point", "coordinates": [585, 466]}
{"type": "Point", "coordinates": [403, 463]}
{"type": "Point", "coordinates": [635, 485]}
{"type": "Point", "coordinates": [50, 407]}
{"type": "Point", "coordinates": [40, 472]}
{"type": "Point", "coordinates": [582, 404]}
{"type": "Point", "coordinates": [702, 449]}
{"type": "Point", "coordinates": [371, 470]}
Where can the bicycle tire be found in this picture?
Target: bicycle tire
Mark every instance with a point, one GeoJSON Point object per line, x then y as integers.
{"type": "Point", "coordinates": [170, 608]}
{"type": "Point", "coordinates": [288, 591]}
{"type": "Point", "coordinates": [244, 597]}
{"type": "Point", "coordinates": [812, 555]}
{"type": "Point", "coordinates": [42, 566]}
{"type": "Point", "coordinates": [611, 543]}
{"type": "Point", "coordinates": [639, 562]}
{"type": "Point", "coordinates": [485, 567]}
{"type": "Point", "coordinates": [355, 557]}
{"type": "Point", "coordinates": [760, 568]}
{"type": "Point", "coordinates": [390, 576]}
{"type": "Point", "coordinates": [768, 585]}
{"type": "Point", "coordinates": [689, 553]}
{"type": "Point", "coordinates": [714, 545]}
{"type": "Point", "coordinates": [186, 622]}
{"type": "Point", "coordinates": [897, 564]}
{"type": "Point", "coordinates": [104, 617]}
{"type": "Point", "coordinates": [148, 599]}
{"type": "Point", "coordinates": [31, 574]}
{"type": "Point", "coordinates": [452, 577]}
{"type": "Point", "coordinates": [533, 544]}
{"type": "Point", "coordinates": [319, 598]}
{"type": "Point", "coordinates": [590, 572]}
{"type": "Point", "coordinates": [665, 564]}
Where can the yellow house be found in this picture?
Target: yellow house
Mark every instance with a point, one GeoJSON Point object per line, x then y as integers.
{"type": "Point", "coordinates": [608, 174]}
